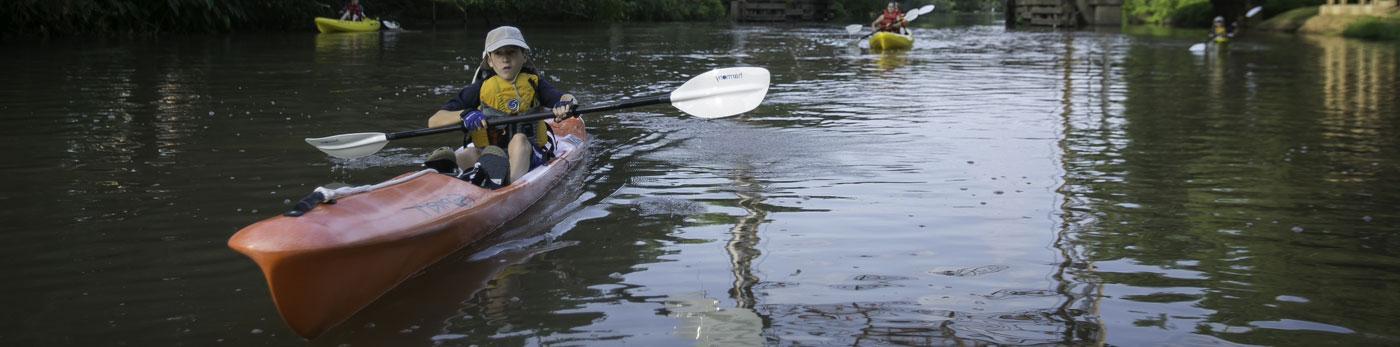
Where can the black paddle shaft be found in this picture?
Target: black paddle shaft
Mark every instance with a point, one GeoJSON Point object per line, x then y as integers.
{"type": "Point", "coordinates": [646, 101]}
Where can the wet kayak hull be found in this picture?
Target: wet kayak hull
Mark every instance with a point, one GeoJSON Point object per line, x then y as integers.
{"type": "Point", "coordinates": [887, 40]}
{"type": "Point", "coordinates": [331, 25]}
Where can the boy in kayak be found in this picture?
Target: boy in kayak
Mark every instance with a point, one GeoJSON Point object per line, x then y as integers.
{"type": "Point", "coordinates": [508, 88]}
{"type": "Point", "coordinates": [352, 11]}
{"type": "Point", "coordinates": [892, 20]}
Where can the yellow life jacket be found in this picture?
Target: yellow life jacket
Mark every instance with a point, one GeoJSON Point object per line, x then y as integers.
{"type": "Point", "coordinates": [503, 98]}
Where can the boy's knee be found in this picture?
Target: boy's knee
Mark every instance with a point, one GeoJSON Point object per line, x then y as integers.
{"type": "Point", "coordinates": [467, 156]}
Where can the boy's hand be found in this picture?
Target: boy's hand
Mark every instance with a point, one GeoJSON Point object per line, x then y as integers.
{"type": "Point", "coordinates": [473, 120]}
{"type": "Point", "coordinates": [564, 108]}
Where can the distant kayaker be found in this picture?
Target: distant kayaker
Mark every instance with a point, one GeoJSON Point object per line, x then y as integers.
{"type": "Point", "coordinates": [352, 11]}
{"type": "Point", "coordinates": [891, 20]}
{"type": "Point", "coordinates": [508, 88]}
{"type": "Point", "coordinates": [1219, 31]}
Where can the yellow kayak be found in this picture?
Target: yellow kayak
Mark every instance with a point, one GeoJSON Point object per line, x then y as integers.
{"type": "Point", "coordinates": [331, 25]}
{"type": "Point", "coordinates": [889, 40]}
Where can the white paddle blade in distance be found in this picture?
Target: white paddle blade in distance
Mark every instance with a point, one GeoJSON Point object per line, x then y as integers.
{"type": "Point", "coordinates": [350, 146]}
{"type": "Point", "coordinates": [1254, 11]}
{"type": "Point", "coordinates": [722, 92]}
{"type": "Point", "coordinates": [1199, 47]}
{"type": "Point", "coordinates": [854, 28]}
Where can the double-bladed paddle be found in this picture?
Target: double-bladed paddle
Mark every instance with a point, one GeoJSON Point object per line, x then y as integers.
{"type": "Point", "coordinates": [908, 17]}
{"type": "Point", "coordinates": [1201, 47]}
{"type": "Point", "coordinates": [714, 94]}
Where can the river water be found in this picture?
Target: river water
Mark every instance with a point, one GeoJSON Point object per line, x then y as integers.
{"type": "Point", "coordinates": [986, 187]}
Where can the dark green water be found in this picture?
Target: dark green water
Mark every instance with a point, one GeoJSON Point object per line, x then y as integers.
{"type": "Point", "coordinates": [987, 187]}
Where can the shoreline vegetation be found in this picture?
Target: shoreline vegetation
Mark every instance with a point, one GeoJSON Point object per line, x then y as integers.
{"type": "Point", "coordinates": [1307, 21]}
{"type": "Point", "coordinates": [50, 18]}
{"type": "Point", "coordinates": [1290, 16]}
{"type": "Point", "coordinates": [1200, 13]}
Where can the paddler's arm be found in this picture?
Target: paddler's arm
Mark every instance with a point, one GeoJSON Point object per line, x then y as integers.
{"type": "Point", "coordinates": [451, 112]}
{"type": "Point", "coordinates": [444, 118]}
{"type": "Point", "coordinates": [553, 97]}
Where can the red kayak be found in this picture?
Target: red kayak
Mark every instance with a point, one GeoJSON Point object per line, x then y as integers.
{"type": "Point", "coordinates": [329, 263]}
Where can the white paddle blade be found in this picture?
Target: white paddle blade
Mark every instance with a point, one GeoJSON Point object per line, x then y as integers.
{"type": "Point", "coordinates": [722, 92]}
{"type": "Point", "coordinates": [350, 146]}
{"type": "Point", "coordinates": [854, 28]}
{"type": "Point", "coordinates": [1199, 47]}
{"type": "Point", "coordinates": [909, 17]}
{"type": "Point", "coordinates": [1254, 11]}
{"type": "Point", "coordinates": [390, 24]}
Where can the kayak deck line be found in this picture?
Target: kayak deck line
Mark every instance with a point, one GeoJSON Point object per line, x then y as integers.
{"type": "Point", "coordinates": [328, 196]}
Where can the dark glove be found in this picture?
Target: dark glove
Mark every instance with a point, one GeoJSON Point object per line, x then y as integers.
{"type": "Point", "coordinates": [473, 120]}
{"type": "Point", "coordinates": [571, 104]}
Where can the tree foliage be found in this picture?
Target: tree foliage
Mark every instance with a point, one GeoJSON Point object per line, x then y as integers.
{"type": "Point", "coordinates": [1198, 13]}
{"type": "Point", "coordinates": [107, 17]}
{"type": "Point", "coordinates": [50, 17]}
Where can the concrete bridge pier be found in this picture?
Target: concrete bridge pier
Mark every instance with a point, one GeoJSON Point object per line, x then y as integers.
{"type": "Point", "coordinates": [1064, 13]}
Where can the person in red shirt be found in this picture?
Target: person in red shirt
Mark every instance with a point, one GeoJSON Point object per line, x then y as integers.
{"type": "Point", "coordinates": [891, 20]}
{"type": "Point", "coordinates": [352, 11]}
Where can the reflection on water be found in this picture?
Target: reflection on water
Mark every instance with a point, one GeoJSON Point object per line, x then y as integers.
{"type": "Point", "coordinates": [1355, 79]}
{"type": "Point", "coordinates": [743, 242]}
{"type": "Point", "coordinates": [892, 60]}
{"type": "Point", "coordinates": [1089, 80]}
{"type": "Point", "coordinates": [703, 321]}
{"type": "Point", "coordinates": [332, 47]}
{"type": "Point", "coordinates": [986, 187]}
{"type": "Point", "coordinates": [1208, 215]}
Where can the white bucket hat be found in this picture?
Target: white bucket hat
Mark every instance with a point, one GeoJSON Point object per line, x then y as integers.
{"type": "Point", "coordinates": [504, 36]}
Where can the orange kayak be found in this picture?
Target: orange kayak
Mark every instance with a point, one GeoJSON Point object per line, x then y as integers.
{"type": "Point", "coordinates": [329, 263]}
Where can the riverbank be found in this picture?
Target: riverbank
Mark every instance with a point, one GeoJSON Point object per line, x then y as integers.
{"type": "Point", "coordinates": [1307, 21]}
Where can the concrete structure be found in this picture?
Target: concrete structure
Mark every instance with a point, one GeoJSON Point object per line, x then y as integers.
{"type": "Point", "coordinates": [779, 10]}
{"type": "Point", "coordinates": [1359, 7]}
{"type": "Point", "coordinates": [1064, 13]}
